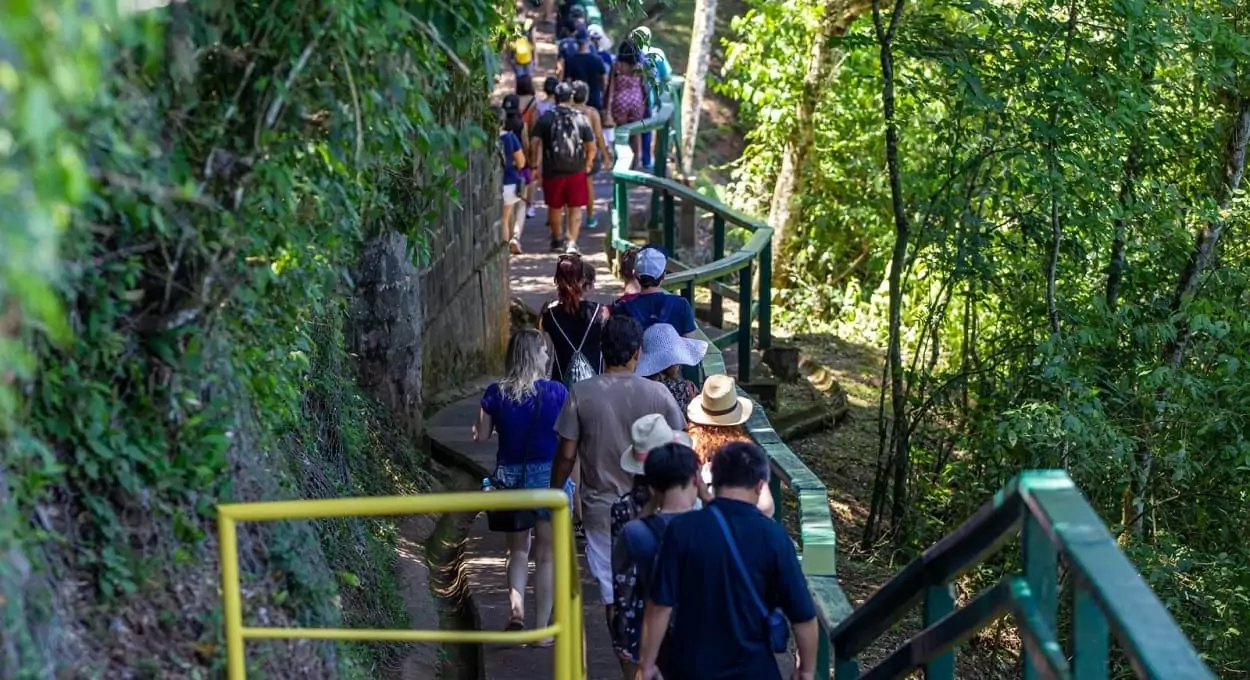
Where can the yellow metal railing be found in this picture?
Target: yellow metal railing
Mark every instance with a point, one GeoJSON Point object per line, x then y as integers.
{"type": "Point", "coordinates": [566, 627]}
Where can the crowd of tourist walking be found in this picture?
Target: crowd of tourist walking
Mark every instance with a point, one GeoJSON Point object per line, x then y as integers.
{"type": "Point", "coordinates": [669, 491]}
{"type": "Point", "coordinates": [605, 401]}
{"type": "Point", "coordinates": [560, 140]}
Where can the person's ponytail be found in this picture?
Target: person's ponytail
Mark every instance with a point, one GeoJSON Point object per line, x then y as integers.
{"type": "Point", "coordinates": [570, 282]}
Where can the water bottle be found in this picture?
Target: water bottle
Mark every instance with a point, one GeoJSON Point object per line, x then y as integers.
{"type": "Point", "coordinates": [486, 484]}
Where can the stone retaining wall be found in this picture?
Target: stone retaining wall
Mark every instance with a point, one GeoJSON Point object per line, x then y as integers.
{"type": "Point", "coordinates": [420, 332]}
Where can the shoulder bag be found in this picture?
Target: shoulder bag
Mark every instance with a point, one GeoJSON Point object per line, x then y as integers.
{"type": "Point", "coordinates": [774, 621]}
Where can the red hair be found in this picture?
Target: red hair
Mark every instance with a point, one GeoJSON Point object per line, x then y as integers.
{"type": "Point", "coordinates": [570, 281]}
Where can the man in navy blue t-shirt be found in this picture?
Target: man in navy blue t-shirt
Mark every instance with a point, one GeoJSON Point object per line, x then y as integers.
{"type": "Point", "coordinates": [725, 636]}
{"type": "Point", "coordinates": [653, 304]}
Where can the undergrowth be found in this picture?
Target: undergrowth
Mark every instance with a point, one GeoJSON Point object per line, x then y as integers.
{"type": "Point", "coordinates": [184, 193]}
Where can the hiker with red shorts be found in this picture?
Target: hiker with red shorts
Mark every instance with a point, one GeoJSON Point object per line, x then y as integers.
{"type": "Point", "coordinates": [566, 149]}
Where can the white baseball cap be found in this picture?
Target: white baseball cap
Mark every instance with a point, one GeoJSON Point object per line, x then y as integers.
{"type": "Point", "coordinates": [651, 262]}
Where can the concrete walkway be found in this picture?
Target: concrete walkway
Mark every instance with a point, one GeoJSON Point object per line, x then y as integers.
{"type": "Point", "coordinates": [449, 434]}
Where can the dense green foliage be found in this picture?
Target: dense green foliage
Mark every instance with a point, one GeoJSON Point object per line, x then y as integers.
{"type": "Point", "coordinates": [183, 195]}
{"type": "Point", "coordinates": [1063, 166]}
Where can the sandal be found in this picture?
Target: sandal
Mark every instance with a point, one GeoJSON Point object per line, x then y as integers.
{"type": "Point", "coordinates": [514, 625]}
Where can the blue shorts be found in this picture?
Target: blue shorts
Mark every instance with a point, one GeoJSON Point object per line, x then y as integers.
{"type": "Point", "coordinates": [535, 476]}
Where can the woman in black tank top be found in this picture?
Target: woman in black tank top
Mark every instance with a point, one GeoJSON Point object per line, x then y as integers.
{"type": "Point", "coordinates": [571, 321]}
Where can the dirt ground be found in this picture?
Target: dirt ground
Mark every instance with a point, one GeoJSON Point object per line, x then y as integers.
{"type": "Point", "coordinates": [844, 458]}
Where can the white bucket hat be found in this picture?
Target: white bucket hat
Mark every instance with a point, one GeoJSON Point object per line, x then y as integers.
{"type": "Point", "coordinates": [719, 404]}
{"type": "Point", "coordinates": [649, 432]}
{"type": "Point", "coordinates": [662, 347]}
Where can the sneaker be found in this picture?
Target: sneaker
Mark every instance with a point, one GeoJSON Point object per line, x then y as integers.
{"type": "Point", "coordinates": [531, 211]}
{"type": "Point", "coordinates": [572, 248]}
{"type": "Point", "coordinates": [592, 223]}
{"type": "Point", "coordinates": [557, 245]}
{"type": "Point", "coordinates": [514, 246]}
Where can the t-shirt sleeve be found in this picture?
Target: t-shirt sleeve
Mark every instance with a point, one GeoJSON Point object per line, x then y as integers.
{"type": "Point", "coordinates": [683, 316]}
{"type": "Point", "coordinates": [664, 582]}
{"type": "Point", "coordinates": [588, 130]}
{"type": "Point", "coordinates": [511, 143]}
{"type": "Point", "coordinates": [567, 425]}
{"type": "Point", "coordinates": [490, 400]}
{"type": "Point", "coordinates": [796, 600]}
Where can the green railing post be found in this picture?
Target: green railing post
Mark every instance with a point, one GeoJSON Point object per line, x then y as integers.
{"type": "Point", "coordinates": [718, 253]}
{"type": "Point", "coordinates": [846, 669]}
{"type": "Point", "coordinates": [938, 602]}
{"type": "Point", "coordinates": [744, 324]}
{"type": "Point", "coordinates": [688, 293]}
{"type": "Point", "coordinates": [766, 297]}
{"type": "Point", "coordinates": [661, 149]}
{"type": "Point", "coordinates": [670, 227]}
{"type": "Point", "coordinates": [1041, 570]}
{"type": "Point", "coordinates": [621, 199]}
{"type": "Point", "coordinates": [661, 169]}
{"type": "Point", "coordinates": [1090, 636]}
{"type": "Point", "coordinates": [822, 654]}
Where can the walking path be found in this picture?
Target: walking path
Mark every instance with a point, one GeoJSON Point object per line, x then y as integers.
{"type": "Point", "coordinates": [484, 553]}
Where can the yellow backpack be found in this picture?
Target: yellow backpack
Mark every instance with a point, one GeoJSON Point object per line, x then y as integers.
{"type": "Point", "coordinates": [523, 51]}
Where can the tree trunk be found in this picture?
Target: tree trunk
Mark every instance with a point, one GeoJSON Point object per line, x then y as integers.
{"type": "Point", "coordinates": [1234, 166]}
{"type": "Point", "coordinates": [1056, 179]}
{"type": "Point", "coordinates": [900, 428]}
{"type": "Point", "coordinates": [696, 79]}
{"type": "Point", "coordinates": [837, 17]}
{"type": "Point", "coordinates": [1115, 268]}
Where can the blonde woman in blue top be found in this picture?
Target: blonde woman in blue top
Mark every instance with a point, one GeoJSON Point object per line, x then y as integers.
{"type": "Point", "coordinates": [522, 408]}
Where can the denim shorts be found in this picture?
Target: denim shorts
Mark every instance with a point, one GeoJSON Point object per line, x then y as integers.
{"type": "Point", "coordinates": [535, 476]}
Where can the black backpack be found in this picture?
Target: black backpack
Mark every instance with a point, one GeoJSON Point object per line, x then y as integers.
{"type": "Point", "coordinates": [567, 149]}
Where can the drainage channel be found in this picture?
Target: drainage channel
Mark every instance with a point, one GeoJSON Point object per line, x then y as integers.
{"type": "Point", "coordinates": [444, 552]}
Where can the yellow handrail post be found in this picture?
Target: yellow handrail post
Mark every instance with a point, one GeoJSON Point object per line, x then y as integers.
{"type": "Point", "coordinates": [565, 628]}
{"type": "Point", "coordinates": [232, 600]}
{"type": "Point", "coordinates": [565, 647]}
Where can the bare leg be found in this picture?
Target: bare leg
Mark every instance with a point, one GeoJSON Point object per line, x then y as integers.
{"type": "Point", "coordinates": [505, 220]}
{"type": "Point", "coordinates": [575, 223]}
{"type": "Point", "coordinates": [518, 225]}
{"type": "Point", "coordinates": [544, 592]}
{"type": "Point", "coordinates": [590, 199]}
{"type": "Point", "coordinates": [517, 567]}
{"type": "Point", "coordinates": [553, 222]}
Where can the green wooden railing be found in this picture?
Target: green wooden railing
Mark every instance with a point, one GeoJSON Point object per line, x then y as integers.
{"type": "Point", "coordinates": [1054, 523]}
{"type": "Point", "coordinates": [751, 261]}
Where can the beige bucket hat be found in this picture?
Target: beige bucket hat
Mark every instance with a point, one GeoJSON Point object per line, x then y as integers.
{"type": "Point", "coordinates": [719, 404]}
{"type": "Point", "coordinates": [649, 432]}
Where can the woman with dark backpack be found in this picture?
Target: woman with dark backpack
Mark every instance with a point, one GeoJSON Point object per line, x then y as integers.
{"type": "Point", "coordinates": [573, 324]}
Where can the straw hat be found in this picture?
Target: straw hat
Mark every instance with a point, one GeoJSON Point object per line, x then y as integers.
{"type": "Point", "coordinates": [649, 432]}
{"type": "Point", "coordinates": [662, 347]}
{"type": "Point", "coordinates": [719, 404]}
